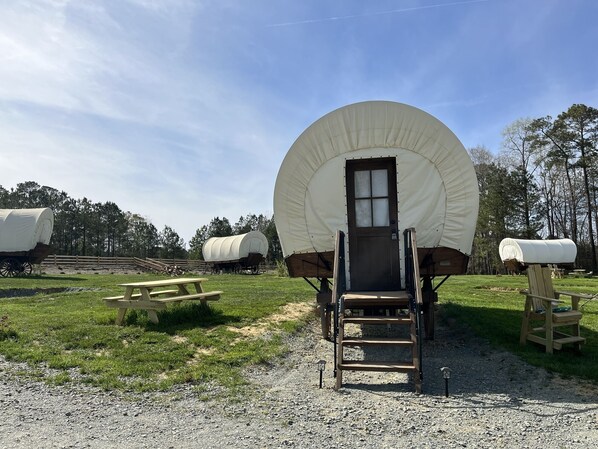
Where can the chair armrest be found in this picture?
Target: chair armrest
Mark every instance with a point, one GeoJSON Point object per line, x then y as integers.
{"type": "Point", "coordinates": [544, 298]}
{"type": "Point", "coordinates": [578, 295]}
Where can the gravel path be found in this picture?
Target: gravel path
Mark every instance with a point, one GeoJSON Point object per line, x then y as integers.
{"type": "Point", "coordinates": [496, 401]}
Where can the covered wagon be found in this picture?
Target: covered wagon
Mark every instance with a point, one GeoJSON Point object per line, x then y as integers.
{"type": "Point", "coordinates": [374, 174]}
{"type": "Point", "coordinates": [516, 253]}
{"type": "Point", "coordinates": [237, 252]}
{"type": "Point", "coordinates": [24, 239]}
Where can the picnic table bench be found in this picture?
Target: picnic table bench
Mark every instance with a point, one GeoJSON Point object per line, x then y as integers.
{"type": "Point", "coordinates": [152, 300]}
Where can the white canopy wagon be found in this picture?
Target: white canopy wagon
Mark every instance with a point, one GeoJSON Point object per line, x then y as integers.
{"type": "Point", "coordinates": [374, 172]}
{"type": "Point", "coordinates": [236, 252]}
{"type": "Point", "coordinates": [24, 239]}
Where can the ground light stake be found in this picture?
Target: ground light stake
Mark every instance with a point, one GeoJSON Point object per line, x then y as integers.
{"type": "Point", "coordinates": [446, 373]}
{"type": "Point", "coordinates": [321, 368]}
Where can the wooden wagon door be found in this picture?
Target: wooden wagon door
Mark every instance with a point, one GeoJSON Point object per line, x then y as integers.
{"type": "Point", "coordinates": [372, 216]}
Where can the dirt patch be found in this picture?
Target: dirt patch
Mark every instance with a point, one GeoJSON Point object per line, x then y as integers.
{"type": "Point", "coordinates": [290, 312]}
{"type": "Point", "coordinates": [179, 339]}
{"type": "Point", "coordinates": [199, 353]}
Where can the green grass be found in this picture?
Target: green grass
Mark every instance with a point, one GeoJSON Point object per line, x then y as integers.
{"type": "Point", "coordinates": [191, 344]}
{"type": "Point", "coordinates": [74, 334]}
{"type": "Point", "coordinates": [492, 307]}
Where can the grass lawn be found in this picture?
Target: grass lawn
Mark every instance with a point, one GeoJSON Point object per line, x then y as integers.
{"type": "Point", "coordinates": [492, 306]}
{"type": "Point", "coordinates": [191, 344]}
{"type": "Point", "coordinates": [73, 332]}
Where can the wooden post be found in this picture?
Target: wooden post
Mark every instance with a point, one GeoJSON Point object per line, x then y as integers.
{"type": "Point", "coordinates": [429, 297]}
{"type": "Point", "coordinates": [120, 316]}
{"type": "Point", "coordinates": [525, 321]}
{"type": "Point", "coordinates": [324, 298]}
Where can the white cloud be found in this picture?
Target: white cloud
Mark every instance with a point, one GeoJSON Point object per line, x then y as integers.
{"type": "Point", "coordinates": [97, 108]}
{"type": "Point", "coordinates": [182, 110]}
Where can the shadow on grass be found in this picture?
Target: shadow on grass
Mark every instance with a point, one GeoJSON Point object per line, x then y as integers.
{"type": "Point", "coordinates": [55, 278]}
{"type": "Point", "coordinates": [492, 378]}
{"type": "Point", "coordinates": [183, 317]}
{"type": "Point", "coordinates": [501, 328]}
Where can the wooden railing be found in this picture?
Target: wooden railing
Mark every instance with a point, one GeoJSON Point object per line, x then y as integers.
{"type": "Point", "coordinates": [412, 274]}
{"type": "Point", "coordinates": [413, 286]}
{"type": "Point", "coordinates": [57, 260]}
{"type": "Point", "coordinates": [338, 288]}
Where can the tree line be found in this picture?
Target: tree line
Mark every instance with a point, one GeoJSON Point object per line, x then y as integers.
{"type": "Point", "coordinates": [86, 228]}
{"type": "Point", "coordinates": [543, 183]}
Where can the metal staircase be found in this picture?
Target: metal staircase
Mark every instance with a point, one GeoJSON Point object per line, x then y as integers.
{"type": "Point", "coordinates": [385, 313]}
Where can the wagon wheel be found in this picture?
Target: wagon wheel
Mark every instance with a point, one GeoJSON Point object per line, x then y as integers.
{"type": "Point", "coordinates": [26, 269]}
{"type": "Point", "coordinates": [9, 267]}
{"type": "Point", "coordinates": [4, 268]}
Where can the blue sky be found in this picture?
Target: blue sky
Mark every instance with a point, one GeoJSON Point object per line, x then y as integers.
{"type": "Point", "coordinates": [183, 110]}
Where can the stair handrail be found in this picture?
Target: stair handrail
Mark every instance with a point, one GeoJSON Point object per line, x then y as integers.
{"type": "Point", "coordinates": [338, 287]}
{"type": "Point", "coordinates": [414, 258]}
{"type": "Point", "coordinates": [413, 285]}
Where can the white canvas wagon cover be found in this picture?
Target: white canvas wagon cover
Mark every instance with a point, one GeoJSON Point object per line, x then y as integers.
{"type": "Point", "coordinates": [23, 229]}
{"type": "Point", "coordinates": [436, 182]}
{"type": "Point", "coordinates": [561, 251]}
{"type": "Point", "coordinates": [235, 247]}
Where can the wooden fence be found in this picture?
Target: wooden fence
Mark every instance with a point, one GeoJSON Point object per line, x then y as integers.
{"type": "Point", "coordinates": [57, 261]}
{"type": "Point", "coordinates": [97, 262]}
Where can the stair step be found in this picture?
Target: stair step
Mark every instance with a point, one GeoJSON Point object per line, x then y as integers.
{"type": "Point", "coordinates": [400, 367]}
{"type": "Point", "coordinates": [570, 339]}
{"type": "Point", "coordinates": [377, 320]}
{"type": "Point", "coordinates": [395, 295]}
{"type": "Point", "coordinates": [392, 299]}
{"type": "Point", "coordinates": [380, 303]}
{"type": "Point", "coordinates": [560, 337]}
{"type": "Point", "coordinates": [370, 341]}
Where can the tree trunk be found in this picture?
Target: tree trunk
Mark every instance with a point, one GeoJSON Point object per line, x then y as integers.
{"type": "Point", "coordinates": [586, 183]}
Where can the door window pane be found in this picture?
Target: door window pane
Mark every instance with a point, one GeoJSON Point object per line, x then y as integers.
{"type": "Point", "coordinates": [363, 213]}
{"type": "Point", "coordinates": [362, 184]}
{"type": "Point", "coordinates": [381, 212]}
{"type": "Point", "coordinates": [379, 183]}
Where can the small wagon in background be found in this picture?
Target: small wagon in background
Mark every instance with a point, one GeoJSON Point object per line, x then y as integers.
{"type": "Point", "coordinates": [236, 253]}
{"type": "Point", "coordinates": [24, 239]}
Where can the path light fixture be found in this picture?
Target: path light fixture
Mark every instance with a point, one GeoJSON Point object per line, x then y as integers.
{"type": "Point", "coordinates": [446, 373]}
{"type": "Point", "coordinates": [321, 368]}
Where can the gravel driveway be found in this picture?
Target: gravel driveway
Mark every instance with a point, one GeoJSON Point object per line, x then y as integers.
{"type": "Point", "coordinates": [495, 401]}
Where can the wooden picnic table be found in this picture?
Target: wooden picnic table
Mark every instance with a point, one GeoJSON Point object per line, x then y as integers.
{"type": "Point", "coordinates": [150, 299]}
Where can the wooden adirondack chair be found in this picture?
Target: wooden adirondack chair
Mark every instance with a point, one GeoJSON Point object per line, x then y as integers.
{"type": "Point", "coordinates": [542, 307]}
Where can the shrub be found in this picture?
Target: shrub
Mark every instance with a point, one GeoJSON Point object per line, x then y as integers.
{"type": "Point", "coordinates": [281, 269]}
